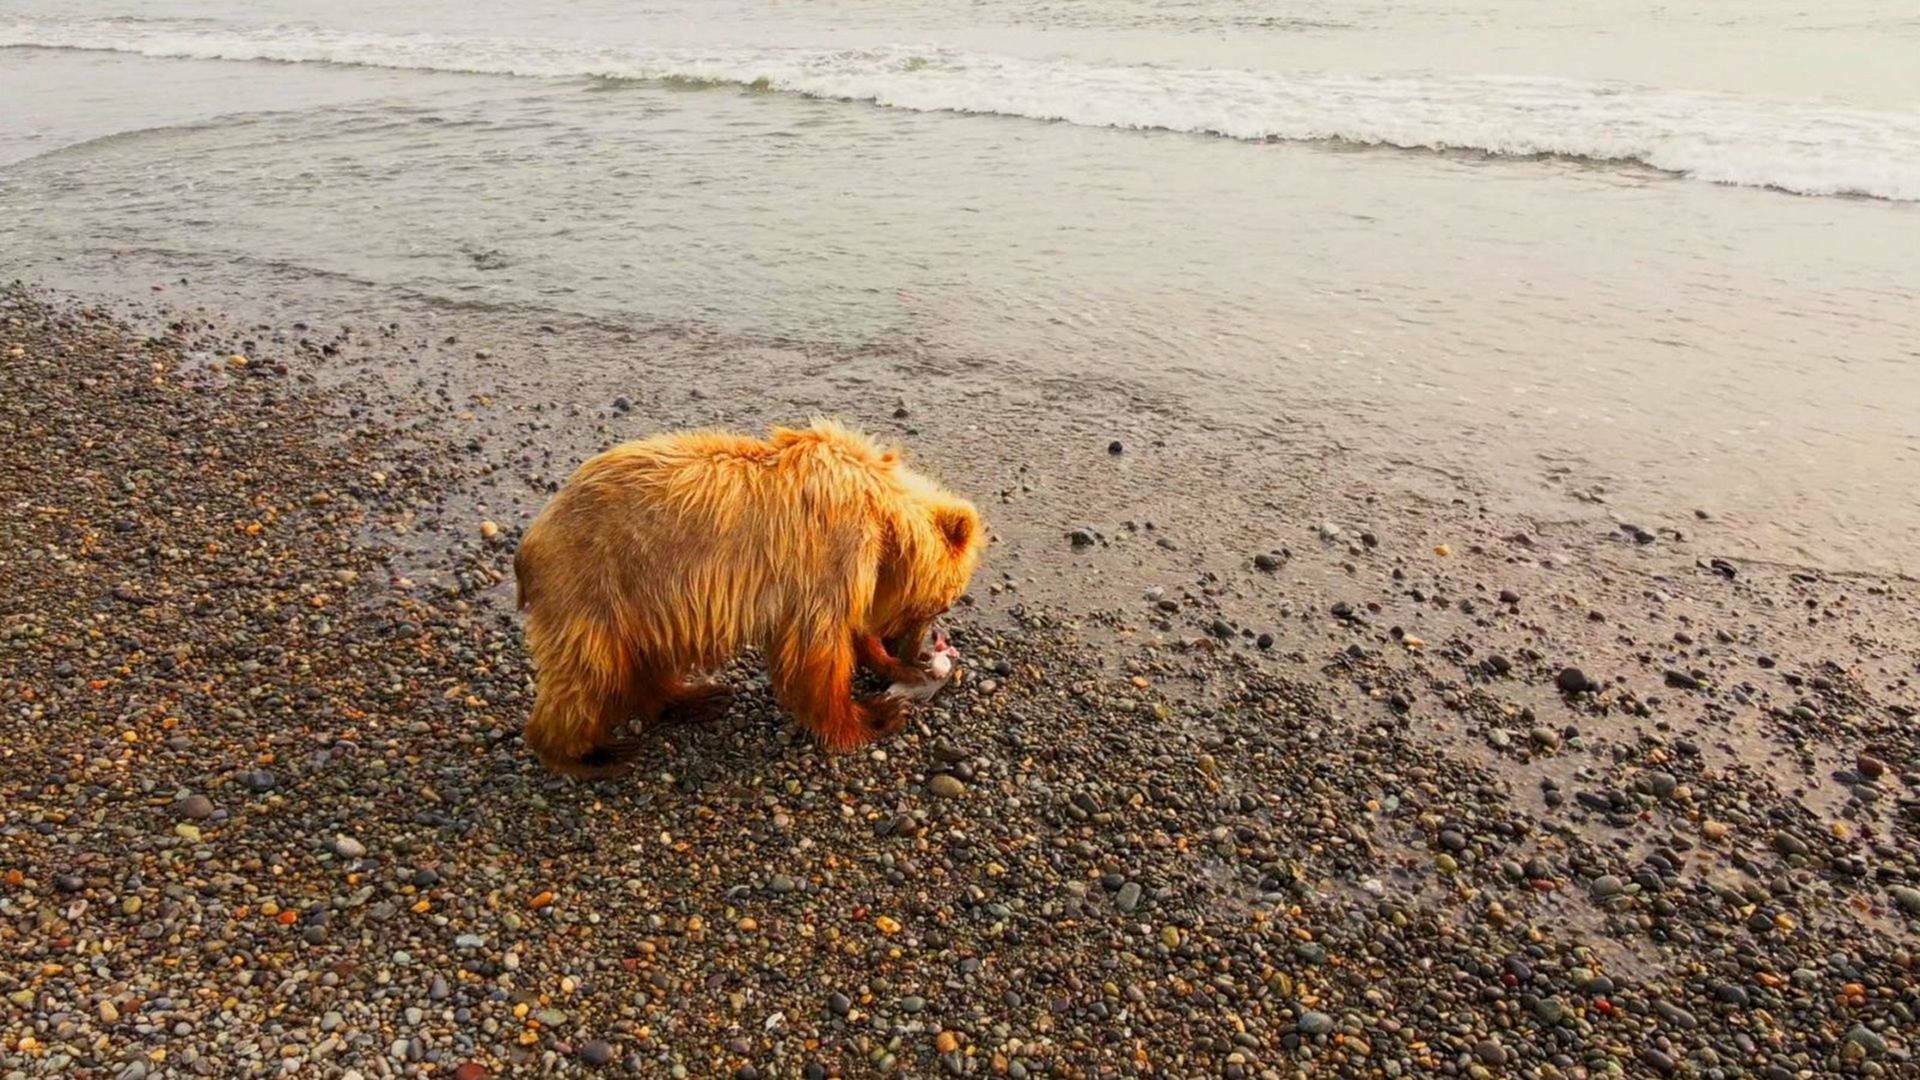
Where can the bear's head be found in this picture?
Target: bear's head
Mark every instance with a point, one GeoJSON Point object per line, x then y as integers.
{"type": "Point", "coordinates": [936, 545]}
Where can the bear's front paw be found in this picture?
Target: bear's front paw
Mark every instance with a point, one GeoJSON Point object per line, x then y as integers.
{"type": "Point", "coordinates": [884, 714]}
{"type": "Point", "coordinates": [935, 670]}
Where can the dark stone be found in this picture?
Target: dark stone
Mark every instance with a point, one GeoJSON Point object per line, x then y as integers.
{"type": "Point", "coordinates": [1681, 680]}
{"type": "Point", "coordinates": [1572, 680]}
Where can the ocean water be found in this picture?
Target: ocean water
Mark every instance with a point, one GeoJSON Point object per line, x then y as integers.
{"type": "Point", "coordinates": [1665, 254]}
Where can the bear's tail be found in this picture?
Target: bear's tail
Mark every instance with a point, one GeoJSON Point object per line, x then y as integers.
{"type": "Point", "coordinates": [522, 577]}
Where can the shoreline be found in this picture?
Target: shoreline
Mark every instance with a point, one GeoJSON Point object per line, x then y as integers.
{"type": "Point", "coordinates": [1385, 842]}
{"type": "Point", "coordinates": [1246, 460]}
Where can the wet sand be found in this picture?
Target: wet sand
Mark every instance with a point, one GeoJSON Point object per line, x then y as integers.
{"type": "Point", "coordinates": [1269, 760]}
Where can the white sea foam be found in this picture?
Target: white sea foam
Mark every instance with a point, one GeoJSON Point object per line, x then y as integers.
{"type": "Point", "coordinates": [1796, 146]}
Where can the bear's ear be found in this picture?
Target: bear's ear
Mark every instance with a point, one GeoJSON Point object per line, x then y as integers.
{"type": "Point", "coordinates": [957, 523]}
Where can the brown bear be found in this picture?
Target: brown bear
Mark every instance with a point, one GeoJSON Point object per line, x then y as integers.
{"type": "Point", "coordinates": [666, 556]}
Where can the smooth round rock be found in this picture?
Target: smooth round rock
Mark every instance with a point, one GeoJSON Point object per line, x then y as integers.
{"type": "Point", "coordinates": [946, 785]}
{"type": "Point", "coordinates": [1572, 680]}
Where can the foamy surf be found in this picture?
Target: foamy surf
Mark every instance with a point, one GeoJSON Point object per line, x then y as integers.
{"type": "Point", "coordinates": [1796, 146]}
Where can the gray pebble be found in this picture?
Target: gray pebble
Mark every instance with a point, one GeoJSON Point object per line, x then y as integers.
{"type": "Point", "coordinates": [1867, 1039]}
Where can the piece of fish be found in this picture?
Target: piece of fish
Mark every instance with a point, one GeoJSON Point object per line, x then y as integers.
{"type": "Point", "coordinates": [939, 664]}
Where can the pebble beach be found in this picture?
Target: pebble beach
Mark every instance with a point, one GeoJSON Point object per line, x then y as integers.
{"type": "Point", "coordinates": [1409, 789]}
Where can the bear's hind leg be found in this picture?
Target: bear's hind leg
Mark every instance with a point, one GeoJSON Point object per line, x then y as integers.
{"type": "Point", "coordinates": [584, 694]}
{"type": "Point", "coordinates": [695, 702]}
{"type": "Point", "coordinates": [648, 698]}
{"type": "Point", "coordinates": [573, 729]}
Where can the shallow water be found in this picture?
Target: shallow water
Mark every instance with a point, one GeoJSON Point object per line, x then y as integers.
{"type": "Point", "coordinates": [1566, 269]}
